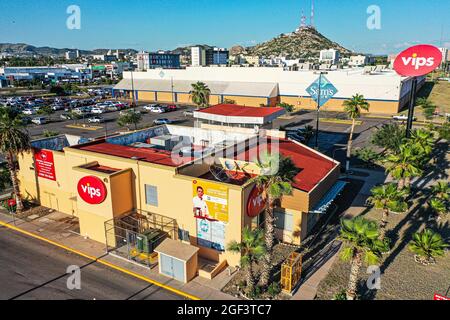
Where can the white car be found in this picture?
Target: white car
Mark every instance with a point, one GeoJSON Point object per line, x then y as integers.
{"type": "Point", "coordinates": [402, 117]}
{"type": "Point", "coordinates": [150, 107]}
{"type": "Point", "coordinates": [39, 120]}
{"type": "Point", "coordinates": [96, 120]}
{"type": "Point", "coordinates": [157, 110]}
{"type": "Point", "coordinates": [29, 111]}
{"type": "Point", "coordinates": [97, 110]}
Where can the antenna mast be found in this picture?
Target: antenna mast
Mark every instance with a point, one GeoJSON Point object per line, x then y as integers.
{"type": "Point", "coordinates": [312, 14]}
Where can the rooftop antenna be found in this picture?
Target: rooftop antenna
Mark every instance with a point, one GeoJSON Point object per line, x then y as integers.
{"type": "Point", "coordinates": [312, 14]}
{"type": "Point", "coordinates": [303, 20]}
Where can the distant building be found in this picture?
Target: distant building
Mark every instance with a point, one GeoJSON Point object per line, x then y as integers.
{"type": "Point", "coordinates": [76, 72]}
{"type": "Point", "coordinates": [330, 56]}
{"type": "Point", "coordinates": [198, 56]}
{"type": "Point", "coordinates": [105, 57]}
{"type": "Point", "coordinates": [252, 60]}
{"type": "Point", "coordinates": [161, 59]}
{"type": "Point", "coordinates": [71, 55]}
{"type": "Point", "coordinates": [360, 60]}
{"type": "Point", "coordinates": [215, 56]}
{"type": "Point", "coordinates": [445, 56]}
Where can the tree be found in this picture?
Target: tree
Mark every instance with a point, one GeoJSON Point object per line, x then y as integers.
{"type": "Point", "coordinates": [5, 178]}
{"type": "Point", "coordinates": [389, 137]}
{"type": "Point", "coordinates": [387, 198]}
{"type": "Point", "coordinates": [444, 131]}
{"type": "Point", "coordinates": [13, 141]}
{"type": "Point", "coordinates": [200, 94]}
{"type": "Point", "coordinates": [251, 249]}
{"type": "Point", "coordinates": [367, 155]}
{"type": "Point", "coordinates": [427, 245]}
{"type": "Point", "coordinates": [47, 111]}
{"type": "Point", "coordinates": [229, 101]}
{"type": "Point", "coordinates": [50, 133]}
{"type": "Point", "coordinates": [404, 165]}
{"type": "Point", "coordinates": [353, 109]}
{"type": "Point", "coordinates": [438, 206]}
{"type": "Point", "coordinates": [286, 106]}
{"type": "Point", "coordinates": [441, 190]}
{"type": "Point", "coordinates": [129, 118]}
{"type": "Point", "coordinates": [361, 244]}
{"type": "Point", "coordinates": [423, 140]}
{"type": "Point", "coordinates": [275, 180]}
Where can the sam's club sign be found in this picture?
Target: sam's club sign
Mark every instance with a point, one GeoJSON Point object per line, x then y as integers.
{"type": "Point", "coordinates": [327, 90]}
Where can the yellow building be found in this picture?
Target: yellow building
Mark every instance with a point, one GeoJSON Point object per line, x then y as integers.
{"type": "Point", "coordinates": [187, 184]}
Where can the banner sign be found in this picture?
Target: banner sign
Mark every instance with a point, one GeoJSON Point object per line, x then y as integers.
{"type": "Point", "coordinates": [440, 297]}
{"type": "Point", "coordinates": [418, 61]}
{"type": "Point", "coordinates": [211, 234]}
{"type": "Point", "coordinates": [256, 203]}
{"type": "Point", "coordinates": [210, 201]}
{"type": "Point", "coordinates": [326, 90]}
{"type": "Point", "coordinates": [45, 165]}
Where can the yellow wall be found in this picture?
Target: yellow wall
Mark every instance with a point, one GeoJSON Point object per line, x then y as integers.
{"type": "Point", "coordinates": [165, 96]}
{"type": "Point", "coordinates": [146, 96]}
{"type": "Point", "coordinates": [247, 101]}
{"type": "Point", "coordinates": [184, 98]}
{"type": "Point", "coordinates": [382, 107]}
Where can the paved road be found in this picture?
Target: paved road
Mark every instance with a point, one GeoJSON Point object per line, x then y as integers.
{"type": "Point", "coordinates": [31, 269]}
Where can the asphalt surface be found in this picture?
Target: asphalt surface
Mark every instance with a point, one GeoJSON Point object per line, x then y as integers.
{"type": "Point", "coordinates": [109, 126]}
{"type": "Point", "coordinates": [34, 270]}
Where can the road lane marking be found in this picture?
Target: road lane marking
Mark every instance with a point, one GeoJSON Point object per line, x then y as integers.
{"type": "Point", "coordinates": [106, 263]}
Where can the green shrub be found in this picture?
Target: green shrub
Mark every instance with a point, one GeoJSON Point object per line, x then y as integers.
{"type": "Point", "coordinates": [341, 295]}
{"type": "Point", "coordinates": [274, 289]}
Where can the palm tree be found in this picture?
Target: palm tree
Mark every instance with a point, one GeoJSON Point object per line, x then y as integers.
{"type": "Point", "coordinates": [427, 245]}
{"type": "Point", "coordinates": [276, 178]}
{"type": "Point", "coordinates": [251, 249]}
{"type": "Point", "coordinates": [353, 109]}
{"type": "Point", "coordinates": [439, 206]}
{"type": "Point", "coordinates": [423, 140]}
{"type": "Point", "coordinates": [200, 94]}
{"type": "Point", "coordinates": [361, 244]}
{"type": "Point", "coordinates": [441, 190]}
{"type": "Point", "coordinates": [404, 165]}
{"type": "Point", "coordinates": [13, 141]}
{"type": "Point", "coordinates": [129, 118]}
{"type": "Point", "coordinates": [389, 199]}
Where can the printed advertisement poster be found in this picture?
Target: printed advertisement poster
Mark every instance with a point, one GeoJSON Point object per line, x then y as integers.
{"type": "Point", "coordinates": [45, 166]}
{"type": "Point", "coordinates": [211, 234]}
{"type": "Point", "coordinates": [210, 201]}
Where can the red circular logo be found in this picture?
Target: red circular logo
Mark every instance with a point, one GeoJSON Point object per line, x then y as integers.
{"type": "Point", "coordinates": [418, 60]}
{"type": "Point", "coordinates": [256, 202]}
{"type": "Point", "coordinates": [92, 190]}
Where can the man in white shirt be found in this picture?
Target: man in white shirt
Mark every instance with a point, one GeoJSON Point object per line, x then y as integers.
{"type": "Point", "coordinates": [200, 206]}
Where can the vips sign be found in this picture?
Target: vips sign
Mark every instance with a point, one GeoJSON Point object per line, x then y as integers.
{"type": "Point", "coordinates": [45, 165]}
{"type": "Point", "coordinates": [210, 201]}
{"type": "Point", "coordinates": [418, 61]}
{"type": "Point", "coordinates": [92, 190]}
{"type": "Point", "coordinates": [256, 202]}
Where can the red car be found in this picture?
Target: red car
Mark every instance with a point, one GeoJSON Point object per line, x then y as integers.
{"type": "Point", "coordinates": [172, 107]}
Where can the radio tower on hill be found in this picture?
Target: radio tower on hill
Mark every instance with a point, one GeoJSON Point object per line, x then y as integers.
{"type": "Point", "coordinates": [312, 15]}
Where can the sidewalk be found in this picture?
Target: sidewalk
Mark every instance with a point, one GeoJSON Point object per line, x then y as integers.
{"type": "Point", "coordinates": [325, 259]}
{"type": "Point", "coordinates": [58, 229]}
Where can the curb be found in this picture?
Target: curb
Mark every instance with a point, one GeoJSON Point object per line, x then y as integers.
{"type": "Point", "coordinates": [106, 263]}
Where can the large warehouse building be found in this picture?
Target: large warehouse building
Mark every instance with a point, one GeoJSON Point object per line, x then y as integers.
{"type": "Point", "coordinates": [386, 91]}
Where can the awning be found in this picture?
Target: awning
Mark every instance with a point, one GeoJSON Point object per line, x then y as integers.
{"type": "Point", "coordinates": [329, 197]}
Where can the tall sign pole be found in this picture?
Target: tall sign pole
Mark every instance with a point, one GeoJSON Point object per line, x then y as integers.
{"type": "Point", "coordinates": [414, 62]}
{"type": "Point", "coordinates": [318, 113]}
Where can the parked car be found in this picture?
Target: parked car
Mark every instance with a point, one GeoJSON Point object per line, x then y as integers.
{"type": "Point", "coordinates": [188, 113]}
{"type": "Point", "coordinates": [26, 120]}
{"type": "Point", "coordinates": [171, 107]}
{"type": "Point", "coordinates": [29, 111]}
{"type": "Point", "coordinates": [66, 116]}
{"type": "Point", "coordinates": [96, 119]}
{"type": "Point", "coordinates": [39, 120]}
{"type": "Point", "coordinates": [157, 110]}
{"type": "Point", "coordinates": [402, 117]}
{"type": "Point", "coordinates": [295, 136]}
{"type": "Point", "coordinates": [97, 110]}
{"type": "Point", "coordinates": [150, 107]}
{"type": "Point", "coordinates": [162, 121]}
{"type": "Point", "coordinates": [56, 107]}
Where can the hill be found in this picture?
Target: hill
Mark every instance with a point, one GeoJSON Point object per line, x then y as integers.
{"type": "Point", "coordinates": [26, 49]}
{"type": "Point", "coordinates": [304, 43]}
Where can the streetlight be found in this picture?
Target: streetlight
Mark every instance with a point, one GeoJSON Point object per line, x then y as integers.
{"type": "Point", "coordinates": [318, 106]}
{"type": "Point", "coordinates": [132, 90]}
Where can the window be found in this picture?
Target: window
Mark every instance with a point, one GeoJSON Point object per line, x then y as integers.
{"type": "Point", "coordinates": [284, 220]}
{"type": "Point", "coordinates": [183, 235]}
{"type": "Point", "coordinates": [151, 195]}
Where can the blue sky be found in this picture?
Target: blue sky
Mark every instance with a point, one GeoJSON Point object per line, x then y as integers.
{"type": "Point", "coordinates": [166, 24]}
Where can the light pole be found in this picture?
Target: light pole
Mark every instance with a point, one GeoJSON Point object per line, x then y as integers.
{"type": "Point", "coordinates": [132, 90]}
{"type": "Point", "coordinates": [412, 102]}
{"type": "Point", "coordinates": [318, 108]}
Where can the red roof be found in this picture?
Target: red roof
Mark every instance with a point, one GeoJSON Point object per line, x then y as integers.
{"type": "Point", "coordinates": [152, 155]}
{"type": "Point", "coordinates": [313, 166]}
{"type": "Point", "coordinates": [233, 110]}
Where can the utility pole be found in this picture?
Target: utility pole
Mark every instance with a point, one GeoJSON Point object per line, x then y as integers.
{"type": "Point", "coordinates": [132, 90]}
{"type": "Point", "coordinates": [318, 108]}
{"type": "Point", "coordinates": [412, 102]}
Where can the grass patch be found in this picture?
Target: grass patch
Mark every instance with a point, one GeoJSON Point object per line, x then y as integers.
{"type": "Point", "coordinates": [340, 121]}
